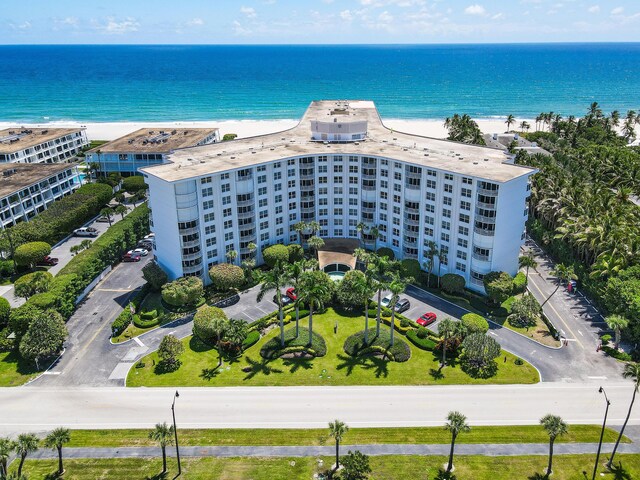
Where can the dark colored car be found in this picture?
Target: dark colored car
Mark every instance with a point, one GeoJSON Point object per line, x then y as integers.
{"type": "Point", "coordinates": [48, 261]}
{"type": "Point", "coordinates": [426, 319]}
{"type": "Point", "coordinates": [127, 257]}
{"type": "Point", "coordinates": [285, 300]}
{"type": "Point", "coordinates": [402, 305]}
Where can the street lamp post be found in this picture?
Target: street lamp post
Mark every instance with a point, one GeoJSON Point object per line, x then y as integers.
{"type": "Point", "coordinates": [604, 423]}
{"type": "Point", "coordinates": [175, 432]}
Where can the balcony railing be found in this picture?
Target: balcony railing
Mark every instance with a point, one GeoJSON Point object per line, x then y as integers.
{"type": "Point", "coordinates": [411, 210]}
{"type": "Point", "coordinates": [191, 243]}
{"type": "Point", "coordinates": [484, 219]}
{"type": "Point", "coordinates": [482, 258]}
{"type": "Point", "coordinates": [368, 209]}
{"type": "Point", "coordinates": [410, 254]}
{"type": "Point", "coordinates": [411, 186]}
{"type": "Point", "coordinates": [410, 242]}
{"type": "Point", "coordinates": [249, 214]}
{"type": "Point", "coordinates": [189, 231]}
{"type": "Point", "coordinates": [368, 188]}
{"type": "Point", "coordinates": [484, 231]}
{"type": "Point", "coordinates": [366, 176]}
{"type": "Point", "coordinates": [245, 203]}
{"type": "Point", "coordinates": [242, 178]}
{"type": "Point", "coordinates": [411, 221]}
{"type": "Point", "coordinates": [488, 206]}
{"type": "Point", "coordinates": [487, 192]}
{"type": "Point", "coordinates": [192, 256]}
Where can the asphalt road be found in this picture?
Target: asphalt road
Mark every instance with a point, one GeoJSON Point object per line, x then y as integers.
{"type": "Point", "coordinates": [39, 409]}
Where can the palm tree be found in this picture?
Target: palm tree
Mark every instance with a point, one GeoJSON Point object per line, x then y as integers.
{"type": "Point", "coordinates": [564, 274]}
{"type": "Point", "coordinates": [316, 243]}
{"type": "Point", "coordinates": [108, 213]}
{"type": "Point", "coordinates": [374, 232]}
{"type": "Point", "coordinates": [617, 323]}
{"type": "Point", "coordinates": [524, 126]}
{"type": "Point", "coordinates": [442, 258]}
{"type": "Point", "coordinates": [456, 424]}
{"type": "Point", "coordinates": [314, 227]}
{"type": "Point", "coordinates": [510, 121]}
{"type": "Point", "coordinates": [219, 326]}
{"type": "Point", "coordinates": [231, 256]}
{"type": "Point", "coordinates": [632, 371]}
{"type": "Point", "coordinates": [56, 439]}
{"type": "Point", "coordinates": [446, 329]}
{"type": "Point", "coordinates": [163, 435]}
{"type": "Point", "coordinates": [25, 444]}
{"type": "Point", "coordinates": [337, 429]}
{"type": "Point", "coordinates": [555, 427]}
{"type": "Point", "coordinates": [381, 266]}
{"type": "Point", "coordinates": [367, 288]}
{"type": "Point", "coordinates": [121, 210]}
{"type": "Point", "coordinates": [6, 447]}
{"type": "Point", "coordinates": [294, 272]}
{"type": "Point", "coordinates": [275, 279]}
{"type": "Point", "coordinates": [299, 228]}
{"type": "Point", "coordinates": [94, 167]}
{"type": "Point", "coordinates": [397, 287]}
{"type": "Point", "coordinates": [313, 294]}
{"type": "Point", "coordinates": [527, 261]}
{"type": "Point", "coordinates": [431, 252]}
{"type": "Point", "coordinates": [362, 228]}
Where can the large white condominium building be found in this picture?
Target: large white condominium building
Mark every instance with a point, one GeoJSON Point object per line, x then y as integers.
{"type": "Point", "coordinates": [341, 166]}
{"type": "Point", "coordinates": [26, 190]}
{"type": "Point", "coordinates": [41, 145]}
{"type": "Point", "coordinates": [146, 147]}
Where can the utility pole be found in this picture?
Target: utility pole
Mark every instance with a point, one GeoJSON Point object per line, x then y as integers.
{"type": "Point", "coordinates": [604, 423]}
{"type": "Point", "coordinates": [175, 432]}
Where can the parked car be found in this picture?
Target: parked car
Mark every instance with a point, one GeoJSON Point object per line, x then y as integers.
{"type": "Point", "coordinates": [102, 220]}
{"type": "Point", "coordinates": [386, 300]}
{"type": "Point", "coordinates": [145, 244]}
{"type": "Point", "coordinates": [48, 261]}
{"type": "Point", "coordinates": [151, 236]}
{"type": "Point", "coordinates": [402, 305]}
{"type": "Point", "coordinates": [140, 251]}
{"type": "Point", "coordinates": [285, 300]}
{"type": "Point", "coordinates": [291, 293]}
{"type": "Point", "coordinates": [85, 232]}
{"type": "Point", "coordinates": [426, 319]}
{"type": "Point", "coordinates": [127, 257]}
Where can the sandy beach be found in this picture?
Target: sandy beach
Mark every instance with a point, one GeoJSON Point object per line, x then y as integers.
{"type": "Point", "coordinates": [248, 128]}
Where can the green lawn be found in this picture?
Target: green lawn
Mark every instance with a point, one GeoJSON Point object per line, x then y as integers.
{"type": "Point", "coordinates": [336, 368]}
{"type": "Point", "coordinates": [153, 301]}
{"type": "Point", "coordinates": [390, 467]}
{"type": "Point", "coordinates": [355, 436]}
{"type": "Point", "coordinates": [14, 370]}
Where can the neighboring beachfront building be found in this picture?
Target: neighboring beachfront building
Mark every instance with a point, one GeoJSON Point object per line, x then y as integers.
{"type": "Point", "coordinates": [146, 147]}
{"type": "Point", "coordinates": [341, 166]}
{"type": "Point", "coordinates": [41, 145]}
{"type": "Point", "coordinates": [26, 190]}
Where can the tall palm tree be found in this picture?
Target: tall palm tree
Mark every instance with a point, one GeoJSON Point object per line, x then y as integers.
{"type": "Point", "coordinates": [163, 435]}
{"type": "Point", "coordinates": [524, 126]}
{"type": "Point", "coordinates": [6, 447]}
{"type": "Point", "coordinates": [617, 323]}
{"type": "Point", "coordinates": [314, 227]}
{"type": "Point", "coordinates": [564, 274]}
{"type": "Point", "coordinates": [219, 326]}
{"type": "Point", "coordinates": [25, 444]}
{"type": "Point", "coordinates": [446, 329]}
{"type": "Point", "coordinates": [362, 228]}
{"type": "Point", "coordinates": [121, 210]}
{"type": "Point", "coordinates": [431, 252]}
{"type": "Point", "coordinates": [299, 228]}
{"type": "Point", "coordinates": [555, 426]}
{"type": "Point", "coordinates": [315, 243]}
{"type": "Point", "coordinates": [231, 255]}
{"type": "Point", "coordinates": [397, 287]}
{"type": "Point", "coordinates": [366, 287]}
{"type": "Point", "coordinates": [381, 266]}
{"type": "Point", "coordinates": [275, 279]}
{"type": "Point", "coordinates": [527, 261]}
{"type": "Point", "coordinates": [337, 430]}
{"type": "Point", "coordinates": [456, 424]}
{"type": "Point", "coordinates": [510, 121]}
{"type": "Point", "coordinates": [294, 272]}
{"type": "Point", "coordinates": [374, 232]}
{"type": "Point", "coordinates": [312, 293]}
{"type": "Point", "coordinates": [56, 439]}
{"type": "Point", "coordinates": [442, 258]}
{"type": "Point", "coordinates": [632, 371]}
{"type": "Point", "coordinates": [108, 213]}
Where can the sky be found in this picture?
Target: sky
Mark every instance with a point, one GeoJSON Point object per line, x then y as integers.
{"type": "Point", "coordinates": [317, 21]}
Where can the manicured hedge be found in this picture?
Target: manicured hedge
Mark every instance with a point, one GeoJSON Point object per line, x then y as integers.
{"type": "Point", "coordinates": [354, 345]}
{"type": "Point", "coordinates": [134, 184]}
{"type": "Point", "coordinates": [386, 252]}
{"type": "Point", "coordinates": [475, 323]}
{"type": "Point", "coordinates": [123, 320]}
{"type": "Point", "coordinates": [141, 322]}
{"type": "Point", "coordinates": [63, 215]}
{"type": "Point", "coordinates": [272, 349]}
{"type": "Point", "coordinates": [252, 338]}
{"type": "Point", "coordinates": [30, 253]}
{"type": "Point", "coordinates": [519, 283]}
{"type": "Point", "coordinates": [422, 343]}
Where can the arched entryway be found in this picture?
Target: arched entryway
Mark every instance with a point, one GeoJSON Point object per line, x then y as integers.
{"type": "Point", "coordinates": [336, 257]}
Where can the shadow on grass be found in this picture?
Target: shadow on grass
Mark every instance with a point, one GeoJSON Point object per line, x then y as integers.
{"type": "Point", "coordinates": [261, 367]}
{"type": "Point", "coordinates": [444, 475]}
{"type": "Point", "coordinates": [379, 366]}
{"type": "Point", "coordinates": [22, 366]}
{"type": "Point", "coordinates": [619, 473]}
{"type": "Point", "coordinates": [209, 373]}
{"type": "Point", "coordinates": [198, 346]}
{"type": "Point", "coordinates": [296, 364]}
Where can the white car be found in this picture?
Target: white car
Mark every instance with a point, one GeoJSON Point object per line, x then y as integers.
{"type": "Point", "coordinates": [151, 236]}
{"type": "Point", "coordinates": [386, 300]}
{"type": "Point", "coordinates": [140, 251]}
{"type": "Point", "coordinates": [85, 232]}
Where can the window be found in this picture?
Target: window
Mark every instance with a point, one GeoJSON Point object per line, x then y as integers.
{"type": "Point", "coordinates": [209, 217]}
{"type": "Point", "coordinates": [446, 225]}
{"type": "Point", "coordinates": [461, 267]}
{"type": "Point", "coordinates": [463, 230]}
{"type": "Point", "coordinates": [210, 230]}
{"type": "Point", "coordinates": [337, 169]}
{"type": "Point", "coordinates": [263, 202]}
{"type": "Point", "coordinates": [464, 218]}
{"type": "Point", "coordinates": [205, 180]}
{"type": "Point", "coordinates": [461, 255]}
{"type": "Point", "coordinates": [444, 237]}
{"type": "Point", "coordinates": [466, 192]}
{"type": "Point", "coordinates": [448, 188]}
{"type": "Point", "coordinates": [226, 212]}
{"type": "Point", "coordinates": [262, 179]}
{"type": "Point", "coordinates": [431, 197]}
{"type": "Point", "coordinates": [464, 205]}
{"type": "Point", "coordinates": [228, 236]}
{"type": "Point", "coordinates": [207, 192]}
{"type": "Point", "coordinates": [228, 224]}
{"type": "Point", "coordinates": [430, 208]}
{"type": "Point", "coordinates": [211, 242]}
{"type": "Point", "coordinates": [467, 181]}
{"type": "Point", "coordinates": [446, 213]}
{"type": "Point", "coordinates": [262, 191]}
{"type": "Point", "coordinates": [226, 187]}
{"type": "Point", "coordinates": [431, 184]}
{"type": "Point", "coordinates": [463, 243]}
{"type": "Point", "coordinates": [208, 205]}
{"type": "Point", "coordinates": [429, 233]}
{"type": "Point", "coordinates": [448, 176]}
{"type": "Point", "coordinates": [226, 200]}
{"type": "Point", "coordinates": [446, 201]}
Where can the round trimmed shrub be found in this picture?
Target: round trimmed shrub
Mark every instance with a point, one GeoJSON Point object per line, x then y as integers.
{"type": "Point", "coordinates": [296, 252]}
{"type": "Point", "coordinates": [226, 276]}
{"type": "Point", "coordinates": [411, 268]}
{"type": "Point", "coordinates": [519, 283]}
{"type": "Point", "coordinates": [386, 252]}
{"type": "Point", "coordinates": [203, 322]}
{"type": "Point", "coordinates": [275, 254]}
{"type": "Point", "coordinates": [452, 283]}
{"type": "Point", "coordinates": [183, 291]}
{"type": "Point", "coordinates": [252, 338]}
{"type": "Point", "coordinates": [28, 254]}
{"type": "Point", "coordinates": [134, 184]}
{"type": "Point", "coordinates": [475, 323]}
{"type": "Point", "coordinates": [273, 349]}
{"type": "Point", "coordinates": [32, 283]}
{"type": "Point", "coordinates": [5, 310]}
{"type": "Point", "coordinates": [142, 322]}
{"type": "Point", "coordinates": [354, 345]}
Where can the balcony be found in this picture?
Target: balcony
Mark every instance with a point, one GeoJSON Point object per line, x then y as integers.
{"type": "Point", "coordinates": [412, 210]}
{"type": "Point", "coordinates": [193, 256]}
{"type": "Point", "coordinates": [411, 221]}
{"type": "Point", "coordinates": [307, 209]}
{"type": "Point", "coordinates": [410, 253]}
{"type": "Point", "coordinates": [194, 269]}
{"type": "Point", "coordinates": [368, 209]}
{"type": "Point", "coordinates": [368, 188]}
{"type": "Point", "coordinates": [482, 258]}
{"type": "Point", "coordinates": [242, 178]}
{"type": "Point", "coordinates": [487, 206]}
{"type": "Point", "coordinates": [487, 192]}
{"type": "Point", "coordinates": [245, 203]}
{"type": "Point", "coordinates": [410, 241]}
{"type": "Point", "coordinates": [189, 244]}
{"type": "Point", "coordinates": [189, 231]}
{"type": "Point", "coordinates": [484, 231]}
{"type": "Point", "coordinates": [307, 176]}
{"type": "Point", "coordinates": [411, 186]}
{"type": "Point", "coordinates": [484, 219]}
{"type": "Point", "coordinates": [249, 214]}
{"type": "Point", "coordinates": [367, 176]}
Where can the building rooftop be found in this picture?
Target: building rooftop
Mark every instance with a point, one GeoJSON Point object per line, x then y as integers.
{"type": "Point", "coordinates": [481, 162]}
{"type": "Point", "coordinates": [16, 176]}
{"type": "Point", "coordinates": [150, 140]}
{"type": "Point", "coordinates": [16, 139]}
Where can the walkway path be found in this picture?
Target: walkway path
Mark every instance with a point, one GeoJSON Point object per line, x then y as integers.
{"type": "Point", "coordinates": [492, 450]}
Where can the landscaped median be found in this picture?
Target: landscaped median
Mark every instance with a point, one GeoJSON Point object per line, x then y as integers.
{"type": "Point", "coordinates": [199, 363]}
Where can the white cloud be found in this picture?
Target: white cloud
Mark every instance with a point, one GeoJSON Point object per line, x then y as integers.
{"type": "Point", "coordinates": [250, 12]}
{"type": "Point", "coordinates": [385, 17]}
{"type": "Point", "coordinates": [240, 30]}
{"type": "Point", "coordinates": [112, 26]}
{"type": "Point", "coordinates": [26, 25]}
{"type": "Point", "coordinates": [475, 10]}
{"type": "Point", "coordinates": [617, 11]}
{"type": "Point", "coordinates": [195, 22]}
{"type": "Point", "coordinates": [346, 15]}
{"type": "Point", "coordinates": [498, 16]}
{"type": "Point", "coordinates": [594, 9]}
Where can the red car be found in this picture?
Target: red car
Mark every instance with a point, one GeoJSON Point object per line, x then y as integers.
{"type": "Point", "coordinates": [426, 319]}
{"type": "Point", "coordinates": [127, 257]}
{"type": "Point", "coordinates": [291, 293]}
{"type": "Point", "coordinates": [48, 261]}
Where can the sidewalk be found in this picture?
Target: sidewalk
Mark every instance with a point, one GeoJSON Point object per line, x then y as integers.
{"type": "Point", "coordinates": [494, 450]}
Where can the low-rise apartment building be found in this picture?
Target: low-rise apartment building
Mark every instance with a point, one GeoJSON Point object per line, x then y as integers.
{"type": "Point", "coordinates": [41, 145]}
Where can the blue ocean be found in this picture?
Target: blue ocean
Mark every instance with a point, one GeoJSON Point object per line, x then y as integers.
{"type": "Point", "coordinates": [171, 83]}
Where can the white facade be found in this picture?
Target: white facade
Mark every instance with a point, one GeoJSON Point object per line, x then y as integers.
{"type": "Point", "coordinates": [41, 145]}
{"type": "Point", "coordinates": [38, 190]}
{"type": "Point", "coordinates": [479, 222]}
